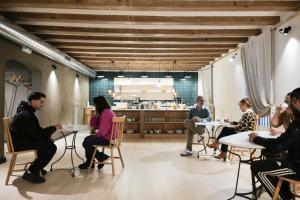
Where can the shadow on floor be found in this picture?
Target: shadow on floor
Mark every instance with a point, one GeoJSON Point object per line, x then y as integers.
{"type": "Point", "coordinates": [60, 182]}
{"type": "Point", "coordinates": [190, 164]}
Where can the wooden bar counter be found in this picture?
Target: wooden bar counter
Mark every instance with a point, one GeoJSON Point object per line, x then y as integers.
{"type": "Point", "coordinates": [149, 123]}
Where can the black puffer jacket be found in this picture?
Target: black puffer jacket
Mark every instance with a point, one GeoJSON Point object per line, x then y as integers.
{"type": "Point", "coordinates": [290, 141]}
{"type": "Point", "coordinates": [25, 127]}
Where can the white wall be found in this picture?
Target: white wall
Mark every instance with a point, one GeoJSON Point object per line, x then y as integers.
{"type": "Point", "coordinates": [229, 87]}
{"type": "Point", "coordinates": [287, 60]}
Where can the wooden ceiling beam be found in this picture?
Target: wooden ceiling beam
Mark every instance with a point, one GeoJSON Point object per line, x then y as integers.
{"type": "Point", "coordinates": [138, 54]}
{"type": "Point", "coordinates": [60, 30]}
{"type": "Point", "coordinates": [20, 17]}
{"type": "Point", "coordinates": [194, 59]}
{"type": "Point", "coordinates": [116, 50]}
{"type": "Point", "coordinates": [158, 5]}
{"type": "Point", "coordinates": [68, 44]}
{"type": "Point", "coordinates": [145, 39]}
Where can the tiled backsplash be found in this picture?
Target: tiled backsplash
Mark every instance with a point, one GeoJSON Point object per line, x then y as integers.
{"type": "Point", "coordinates": [186, 89]}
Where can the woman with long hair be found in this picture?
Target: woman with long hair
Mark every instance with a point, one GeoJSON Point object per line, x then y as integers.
{"type": "Point", "coordinates": [102, 123]}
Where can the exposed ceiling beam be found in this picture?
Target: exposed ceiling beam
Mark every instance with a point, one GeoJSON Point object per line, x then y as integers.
{"type": "Point", "coordinates": [60, 30]}
{"type": "Point", "coordinates": [83, 59]}
{"type": "Point", "coordinates": [116, 50]}
{"type": "Point", "coordinates": [68, 44]}
{"type": "Point", "coordinates": [145, 39]}
{"type": "Point", "coordinates": [154, 5]}
{"type": "Point", "coordinates": [20, 17]}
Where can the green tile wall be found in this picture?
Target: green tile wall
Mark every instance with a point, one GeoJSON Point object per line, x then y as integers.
{"type": "Point", "coordinates": [186, 89]}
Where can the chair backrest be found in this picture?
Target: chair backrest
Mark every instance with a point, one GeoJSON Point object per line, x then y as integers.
{"type": "Point", "coordinates": [117, 131]}
{"type": "Point", "coordinates": [256, 123]}
{"type": "Point", "coordinates": [7, 135]}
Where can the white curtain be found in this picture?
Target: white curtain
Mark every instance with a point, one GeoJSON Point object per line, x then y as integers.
{"type": "Point", "coordinates": [207, 90]}
{"type": "Point", "coordinates": [256, 58]}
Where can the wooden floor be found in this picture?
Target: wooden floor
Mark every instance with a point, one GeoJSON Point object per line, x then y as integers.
{"type": "Point", "coordinates": [154, 171]}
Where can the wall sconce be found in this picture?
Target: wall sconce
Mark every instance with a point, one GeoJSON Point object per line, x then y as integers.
{"type": "Point", "coordinates": [286, 30]}
{"type": "Point", "coordinates": [77, 75]}
{"type": "Point", "coordinates": [54, 67]}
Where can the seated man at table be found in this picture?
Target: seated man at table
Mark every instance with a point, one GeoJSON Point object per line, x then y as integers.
{"type": "Point", "coordinates": [27, 134]}
{"type": "Point", "coordinates": [282, 117]}
{"type": "Point", "coordinates": [246, 123]}
{"type": "Point", "coordinates": [197, 114]}
{"type": "Point", "coordinates": [266, 171]}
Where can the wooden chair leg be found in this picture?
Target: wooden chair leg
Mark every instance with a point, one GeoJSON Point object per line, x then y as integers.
{"type": "Point", "coordinates": [112, 161]}
{"type": "Point", "coordinates": [277, 190]}
{"type": "Point", "coordinates": [10, 168]}
{"type": "Point", "coordinates": [92, 160]}
{"type": "Point", "coordinates": [121, 158]}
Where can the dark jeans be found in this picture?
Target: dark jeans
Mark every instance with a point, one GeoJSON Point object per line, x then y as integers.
{"type": "Point", "coordinates": [267, 170]}
{"type": "Point", "coordinates": [45, 152]}
{"type": "Point", "coordinates": [226, 131]}
{"type": "Point", "coordinates": [88, 143]}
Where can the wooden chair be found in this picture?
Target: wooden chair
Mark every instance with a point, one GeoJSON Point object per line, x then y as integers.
{"type": "Point", "coordinates": [242, 151]}
{"type": "Point", "coordinates": [115, 143]}
{"type": "Point", "coordinates": [13, 153]}
{"type": "Point", "coordinates": [281, 179]}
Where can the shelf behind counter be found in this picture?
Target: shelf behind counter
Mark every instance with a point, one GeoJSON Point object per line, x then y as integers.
{"type": "Point", "coordinates": [149, 123]}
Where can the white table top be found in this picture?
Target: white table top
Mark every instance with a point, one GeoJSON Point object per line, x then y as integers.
{"type": "Point", "coordinates": [241, 140]}
{"type": "Point", "coordinates": [212, 123]}
{"type": "Point", "coordinates": [71, 127]}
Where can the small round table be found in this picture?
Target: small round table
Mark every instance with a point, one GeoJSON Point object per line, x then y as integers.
{"type": "Point", "coordinates": [241, 140]}
{"type": "Point", "coordinates": [69, 130]}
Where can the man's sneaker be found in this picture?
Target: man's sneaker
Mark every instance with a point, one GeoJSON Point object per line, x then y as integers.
{"type": "Point", "coordinates": [33, 177]}
{"type": "Point", "coordinates": [43, 172]}
{"type": "Point", "coordinates": [186, 153]}
{"type": "Point", "coordinates": [86, 165]}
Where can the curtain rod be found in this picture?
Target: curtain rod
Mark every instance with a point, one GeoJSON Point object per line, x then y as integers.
{"type": "Point", "coordinates": [292, 16]}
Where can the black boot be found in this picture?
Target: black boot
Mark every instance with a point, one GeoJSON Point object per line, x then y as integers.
{"type": "Point", "coordinates": [33, 177]}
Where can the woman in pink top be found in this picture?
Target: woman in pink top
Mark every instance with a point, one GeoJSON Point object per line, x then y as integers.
{"type": "Point", "coordinates": [102, 122]}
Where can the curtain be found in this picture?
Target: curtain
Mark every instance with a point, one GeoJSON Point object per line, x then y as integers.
{"type": "Point", "coordinates": [207, 90]}
{"type": "Point", "coordinates": [256, 59]}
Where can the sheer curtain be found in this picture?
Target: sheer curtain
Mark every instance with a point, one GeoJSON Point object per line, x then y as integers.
{"type": "Point", "coordinates": [256, 59]}
{"type": "Point", "coordinates": [207, 90]}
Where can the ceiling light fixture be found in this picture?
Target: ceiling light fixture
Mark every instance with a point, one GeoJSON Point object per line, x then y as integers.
{"type": "Point", "coordinates": [144, 75]}
{"type": "Point", "coordinates": [286, 30]}
{"type": "Point", "coordinates": [54, 67]}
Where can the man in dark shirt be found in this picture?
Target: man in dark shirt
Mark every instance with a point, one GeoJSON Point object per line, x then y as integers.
{"type": "Point", "coordinates": [197, 114]}
{"type": "Point", "coordinates": [27, 134]}
{"type": "Point", "coordinates": [266, 171]}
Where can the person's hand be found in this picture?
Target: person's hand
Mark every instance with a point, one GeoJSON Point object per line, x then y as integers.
{"type": "Point", "coordinates": [252, 136]}
{"type": "Point", "coordinates": [58, 126]}
{"type": "Point", "coordinates": [278, 109]}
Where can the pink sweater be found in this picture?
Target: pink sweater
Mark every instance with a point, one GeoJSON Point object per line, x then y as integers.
{"type": "Point", "coordinates": [103, 123]}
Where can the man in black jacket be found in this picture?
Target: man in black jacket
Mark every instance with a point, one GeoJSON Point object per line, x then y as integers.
{"type": "Point", "coordinates": [27, 134]}
{"type": "Point", "coordinates": [266, 171]}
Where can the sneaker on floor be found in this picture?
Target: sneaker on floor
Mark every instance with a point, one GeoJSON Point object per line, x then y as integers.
{"type": "Point", "coordinates": [33, 177]}
{"type": "Point", "coordinates": [186, 153]}
{"type": "Point", "coordinates": [85, 165]}
{"type": "Point", "coordinates": [43, 172]}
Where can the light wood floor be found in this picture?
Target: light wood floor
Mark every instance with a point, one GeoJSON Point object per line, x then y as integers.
{"type": "Point", "coordinates": [154, 171]}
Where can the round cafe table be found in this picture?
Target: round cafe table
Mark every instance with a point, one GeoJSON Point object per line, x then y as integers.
{"type": "Point", "coordinates": [65, 131]}
{"type": "Point", "coordinates": [241, 140]}
{"type": "Point", "coordinates": [216, 124]}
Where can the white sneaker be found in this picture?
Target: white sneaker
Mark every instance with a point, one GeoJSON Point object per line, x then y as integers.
{"type": "Point", "coordinates": [186, 153]}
